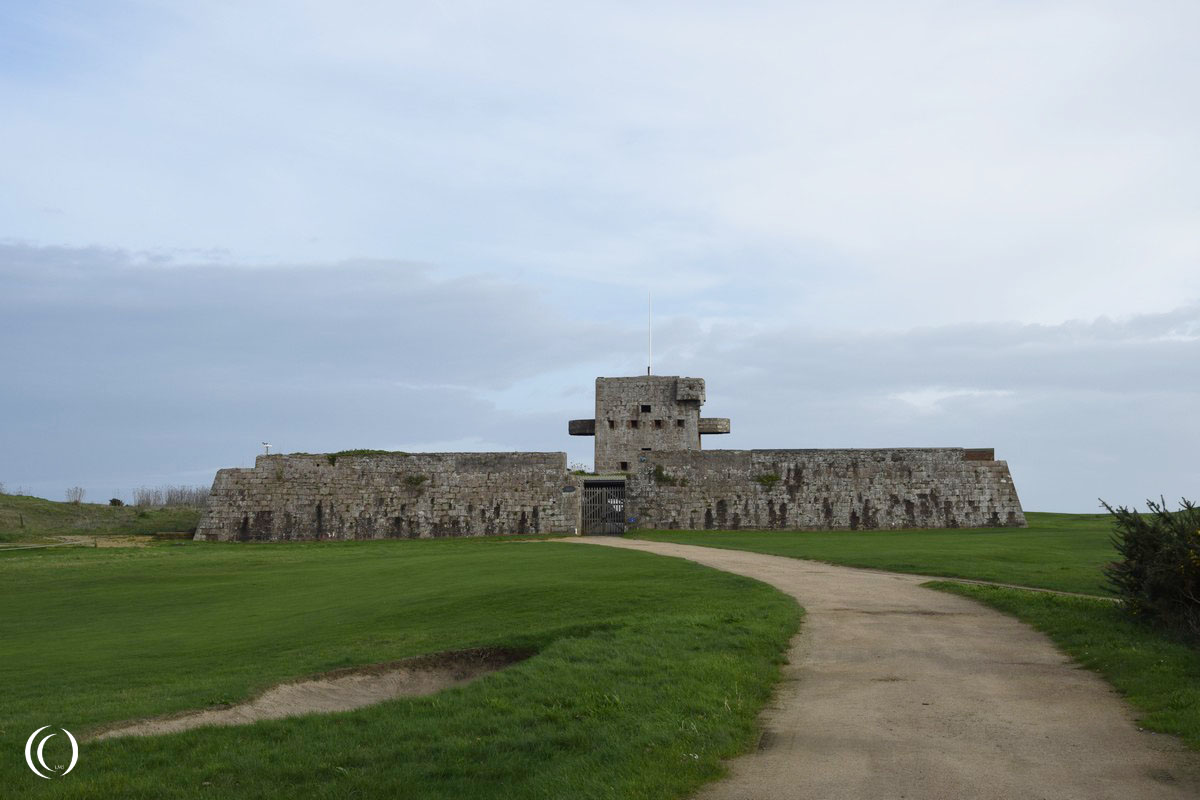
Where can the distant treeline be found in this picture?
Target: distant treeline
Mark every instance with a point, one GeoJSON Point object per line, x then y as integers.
{"type": "Point", "coordinates": [145, 496]}
{"type": "Point", "coordinates": [153, 497]}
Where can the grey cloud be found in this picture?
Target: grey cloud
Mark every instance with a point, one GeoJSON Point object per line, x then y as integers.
{"type": "Point", "coordinates": [980, 161]}
{"type": "Point", "coordinates": [1080, 410]}
{"type": "Point", "coordinates": [359, 321]}
{"type": "Point", "coordinates": [120, 372]}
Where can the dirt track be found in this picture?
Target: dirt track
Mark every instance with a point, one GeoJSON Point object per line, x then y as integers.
{"type": "Point", "coordinates": [894, 691]}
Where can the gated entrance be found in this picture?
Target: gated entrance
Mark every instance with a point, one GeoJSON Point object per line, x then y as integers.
{"type": "Point", "coordinates": [603, 507]}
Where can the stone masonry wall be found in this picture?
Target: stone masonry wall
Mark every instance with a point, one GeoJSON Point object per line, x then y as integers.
{"type": "Point", "coordinates": [671, 423]}
{"type": "Point", "coordinates": [392, 495]}
{"type": "Point", "coordinates": [822, 489]}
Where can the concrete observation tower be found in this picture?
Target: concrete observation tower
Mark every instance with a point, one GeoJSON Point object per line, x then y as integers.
{"type": "Point", "coordinates": [646, 414]}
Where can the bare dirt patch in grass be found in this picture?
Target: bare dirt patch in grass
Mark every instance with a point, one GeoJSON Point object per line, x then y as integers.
{"type": "Point", "coordinates": [110, 540]}
{"type": "Point", "coordinates": [103, 540]}
{"type": "Point", "coordinates": [342, 690]}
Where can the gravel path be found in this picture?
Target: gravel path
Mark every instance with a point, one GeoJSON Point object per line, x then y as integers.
{"type": "Point", "coordinates": [894, 691]}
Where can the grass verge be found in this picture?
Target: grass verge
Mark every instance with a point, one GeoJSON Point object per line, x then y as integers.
{"type": "Point", "coordinates": [1057, 551]}
{"type": "Point", "coordinates": [1158, 675]}
{"type": "Point", "coordinates": [649, 670]}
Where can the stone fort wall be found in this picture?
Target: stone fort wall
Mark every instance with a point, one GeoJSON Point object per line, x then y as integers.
{"type": "Point", "coordinates": [391, 495]}
{"type": "Point", "coordinates": [422, 495]}
{"type": "Point", "coordinates": [823, 489]}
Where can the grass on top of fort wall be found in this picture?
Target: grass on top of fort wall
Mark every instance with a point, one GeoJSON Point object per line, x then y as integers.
{"type": "Point", "coordinates": [648, 670]}
{"type": "Point", "coordinates": [1065, 552]}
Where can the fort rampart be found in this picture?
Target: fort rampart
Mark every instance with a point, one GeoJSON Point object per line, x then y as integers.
{"type": "Point", "coordinates": [422, 495]}
{"type": "Point", "coordinates": [823, 489]}
{"type": "Point", "coordinates": [648, 433]}
{"type": "Point", "coordinates": [391, 495]}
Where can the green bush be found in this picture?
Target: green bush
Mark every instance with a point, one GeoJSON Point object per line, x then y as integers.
{"type": "Point", "coordinates": [767, 480]}
{"type": "Point", "coordinates": [1159, 574]}
{"type": "Point", "coordinates": [662, 478]}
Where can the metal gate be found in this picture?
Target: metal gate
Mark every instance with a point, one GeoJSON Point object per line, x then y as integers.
{"type": "Point", "coordinates": [603, 507]}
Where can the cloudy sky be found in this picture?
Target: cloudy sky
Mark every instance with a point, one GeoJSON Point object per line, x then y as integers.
{"type": "Point", "coordinates": [431, 226]}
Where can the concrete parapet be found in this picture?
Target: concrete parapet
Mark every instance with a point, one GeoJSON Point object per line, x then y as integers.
{"type": "Point", "coordinates": [581, 427]}
{"type": "Point", "coordinates": [690, 390]}
{"type": "Point", "coordinates": [712, 425]}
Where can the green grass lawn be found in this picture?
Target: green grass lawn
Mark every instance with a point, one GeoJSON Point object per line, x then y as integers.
{"type": "Point", "coordinates": [1156, 673]}
{"type": "Point", "coordinates": [33, 519]}
{"type": "Point", "coordinates": [648, 670]}
{"type": "Point", "coordinates": [1057, 551]}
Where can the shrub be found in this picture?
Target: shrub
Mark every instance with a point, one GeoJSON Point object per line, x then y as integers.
{"type": "Point", "coordinates": [1159, 574]}
{"type": "Point", "coordinates": [767, 480]}
{"type": "Point", "coordinates": [75, 494]}
{"type": "Point", "coordinates": [415, 480]}
{"type": "Point", "coordinates": [189, 496]}
{"type": "Point", "coordinates": [116, 501]}
{"type": "Point", "coordinates": [146, 496]}
{"type": "Point", "coordinates": [662, 478]}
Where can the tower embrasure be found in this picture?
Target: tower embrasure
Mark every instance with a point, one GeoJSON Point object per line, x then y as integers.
{"type": "Point", "coordinates": [644, 414]}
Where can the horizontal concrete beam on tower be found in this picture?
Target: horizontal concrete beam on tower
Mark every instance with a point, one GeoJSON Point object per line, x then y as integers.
{"type": "Point", "coordinates": [581, 427]}
{"type": "Point", "coordinates": [710, 425]}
